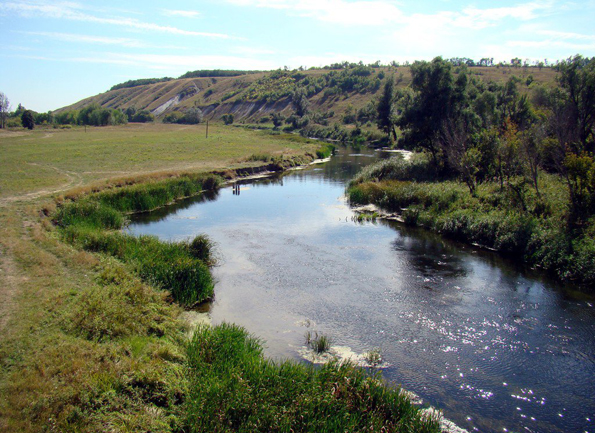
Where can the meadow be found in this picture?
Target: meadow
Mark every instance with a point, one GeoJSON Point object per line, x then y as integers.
{"type": "Point", "coordinates": [47, 159]}
{"type": "Point", "coordinates": [90, 318]}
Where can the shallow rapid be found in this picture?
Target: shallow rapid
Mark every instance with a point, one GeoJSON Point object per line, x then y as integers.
{"type": "Point", "coordinates": [495, 346]}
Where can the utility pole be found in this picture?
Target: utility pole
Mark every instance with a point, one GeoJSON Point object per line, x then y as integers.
{"type": "Point", "coordinates": [207, 129]}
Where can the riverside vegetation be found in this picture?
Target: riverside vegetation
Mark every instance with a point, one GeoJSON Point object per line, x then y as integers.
{"type": "Point", "coordinates": [494, 168]}
{"type": "Point", "coordinates": [93, 340]}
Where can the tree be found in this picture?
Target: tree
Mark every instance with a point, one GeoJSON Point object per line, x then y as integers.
{"type": "Point", "coordinates": [580, 176]}
{"type": "Point", "coordinates": [277, 119]}
{"type": "Point", "coordinates": [384, 109]}
{"type": "Point", "coordinates": [227, 118]}
{"type": "Point", "coordinates": [577, 78]}
{"type": "Point", "coordinates": [28, 119]}
{"type": "Point", "coordinates": [4, 108]}
{"type": "Point", "coordinates": [437, 99]}
{"type": "Point", "coordinates": [300, 101]}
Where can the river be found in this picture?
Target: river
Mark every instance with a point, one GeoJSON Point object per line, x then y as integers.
{"type": "Point", "coordinates": [497, 347]}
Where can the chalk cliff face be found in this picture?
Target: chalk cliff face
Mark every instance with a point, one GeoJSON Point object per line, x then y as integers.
{"type": "Point", "coordinates": [335, 95]}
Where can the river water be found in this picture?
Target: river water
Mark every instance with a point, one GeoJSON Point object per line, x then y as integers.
{"type": "Point", "coordinates": [497, 347]}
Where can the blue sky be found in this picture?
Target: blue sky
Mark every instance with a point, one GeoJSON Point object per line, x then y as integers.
{"type": "Point", "coordinates": [54, 53]}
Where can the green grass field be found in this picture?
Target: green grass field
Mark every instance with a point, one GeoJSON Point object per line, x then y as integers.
{"type": "Point", "coordinates": [59, 159]}
{"type": "Point", "coordinates": [90, 344]}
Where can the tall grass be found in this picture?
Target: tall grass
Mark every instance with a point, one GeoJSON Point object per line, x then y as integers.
{"type": "Point", "coordinates": [418, 167]}
{"type": "Point", "coordinates": [235, 389]}
{"type": "Point", "coordinates": [182, 268]}
{"type": "Point", "coordinates": [325, 151]}
{"type": "Point", "coordinates": [534, 231]}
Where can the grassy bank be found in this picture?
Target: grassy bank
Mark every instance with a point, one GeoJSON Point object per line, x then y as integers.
{"type": "Point", "coordinates": [513, 219]}
{"type": "Point", "coordinates": [233, 388]}
{"type": "Point", "coordinates": [92, 223]}
{"type": "Point", "coordinates": [91, 334]}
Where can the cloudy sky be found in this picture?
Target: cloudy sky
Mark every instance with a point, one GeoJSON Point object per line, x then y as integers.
{"type": "Point", "coordinates": [54, 53]}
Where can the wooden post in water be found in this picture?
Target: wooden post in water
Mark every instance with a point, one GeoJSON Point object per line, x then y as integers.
{"type": "Point", "coordinates": [207, 129]}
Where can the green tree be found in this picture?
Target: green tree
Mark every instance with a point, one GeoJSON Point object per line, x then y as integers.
{"type": "Point", "coordinates": [580, 176]}
{"type": "Point", "coordinates": [577, 78]}
{"type": "Point", "coordinates": [384, 109]}
{"type": "Point", "coordinates": [4, 108]}
{"type": "Point", "coordinates": [277, 119]}
{"type": "Point", "coordinates": [300, 102]}
{"type": "Point", "coordinates": [28, 119]}
{"type": "Point", "coordinates": [435, 102]}
{"type": "Point", "coordinates": [227, 118]}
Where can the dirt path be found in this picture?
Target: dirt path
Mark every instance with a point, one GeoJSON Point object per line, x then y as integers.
{"type": "Point", "coordinates": [74, 180]}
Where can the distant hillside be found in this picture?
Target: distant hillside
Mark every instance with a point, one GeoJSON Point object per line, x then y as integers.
{"type": "Point", "coordinates": [250, 95]}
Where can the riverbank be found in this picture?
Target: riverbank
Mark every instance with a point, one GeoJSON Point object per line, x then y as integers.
{"type": "Point", "coordinates": [89, 342]}
{"type": "Point", "coordinates": [513, 219]}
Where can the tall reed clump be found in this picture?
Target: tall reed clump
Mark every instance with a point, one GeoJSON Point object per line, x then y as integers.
{"type": "Point", "coordinates": [182, 268]}
{"type": "Point", "coordinates": [234, 388]}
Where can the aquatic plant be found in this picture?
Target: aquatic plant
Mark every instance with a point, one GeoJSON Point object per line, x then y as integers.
{"type": "Point", "coordinates": [318, 342]}
{"type": "Point", "coordinates": [373, 357]}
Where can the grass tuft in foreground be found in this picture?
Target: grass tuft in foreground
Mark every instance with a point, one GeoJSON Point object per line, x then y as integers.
{"type": "Point", "coordinates": [235, 389]}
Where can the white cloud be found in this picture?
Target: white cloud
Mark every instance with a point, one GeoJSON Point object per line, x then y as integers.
{"type": "Point", "coordinates": [334, 11]}
{"type": "Point", "coordinates": [180, 13]}
{"type": "Point", "coordinates": [176, 63]}
{"type": "Point", "coordinates": [101, 40]}
{"type": "Point", "coordinates": [73, 11]}
{"type": "Point", "coordinates": [380, 12]}
{"type": "Point", "coordinates": [251, 51]}
{"type": "Point", "coordinates": [566, 35]}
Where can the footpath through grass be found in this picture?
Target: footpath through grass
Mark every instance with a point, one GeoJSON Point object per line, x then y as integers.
{"type": "Point", "coordinates": [90, 326]}
{"type": "Point", "coordinates": [48, 160]}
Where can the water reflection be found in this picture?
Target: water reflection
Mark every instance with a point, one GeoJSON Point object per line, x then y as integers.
{"type": "Point", "coordinates": [494, 345]}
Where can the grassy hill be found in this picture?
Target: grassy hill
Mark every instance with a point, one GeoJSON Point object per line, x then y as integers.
{"type": "Point", "coordinates": [254, 95]}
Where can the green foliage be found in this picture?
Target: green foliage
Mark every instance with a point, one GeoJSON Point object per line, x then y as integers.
{"type": "Point", "coordinates": [95, 115]}
{"type": "Point", "coordinates": [300, 102]}
{"type": "Point", "coordinates": [235, 389]}
{"type": "Point", "coordinates": [27, 119]}
{"type": "Point", "coordinates": [203, 248]}
{"type": "Point", "coordinates": [577, 79]}
{"type": "Point", "coordinates": [325, 151]}
{"type": "Point", "coordinates": [215, 73]}
{"type": "Point", "coordinates": [514, 221]}
{"type": "Point", "coordinates": [417, 168]}
{"type": "Point", "coordinates": [192, 116]}
{"type": "Point", "coordinates": [138, 116]}
{"type": "Point", "coordinates": [181, 268]}
{"type": "Point", "coordinates": [384, 110]}
{"type": "Point", "coordinates": [140, 82]}
{"type": "Point", "coordinates": [227, 118]}
{"type": "Point", "coordinates": [318, 342]}
{"type": "Point", "coordinates": [580, 175]}
{"type": "Point", "coordinates": [89, 213]}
